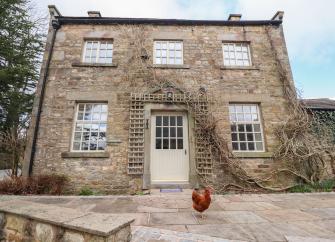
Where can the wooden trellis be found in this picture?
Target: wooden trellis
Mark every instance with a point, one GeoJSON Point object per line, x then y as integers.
{"type": "Point", "coordinates": [199, 107]}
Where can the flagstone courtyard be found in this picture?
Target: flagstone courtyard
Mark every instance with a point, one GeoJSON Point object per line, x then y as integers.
{"type": "Point", "coordinates": [247, 217]}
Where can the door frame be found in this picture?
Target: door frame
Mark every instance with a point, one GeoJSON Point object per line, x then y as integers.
{"type": "Point", "coordinates": [148, 109]}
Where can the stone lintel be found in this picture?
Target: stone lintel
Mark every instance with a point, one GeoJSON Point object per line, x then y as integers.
{"type": "Point", "coordinates": [253, 154]}
{"type": "Point", "coordinates": [85, 154]}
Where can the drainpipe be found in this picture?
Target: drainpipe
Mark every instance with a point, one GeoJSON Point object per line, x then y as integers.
{"type": "Point", "coordinates": [55, 26]}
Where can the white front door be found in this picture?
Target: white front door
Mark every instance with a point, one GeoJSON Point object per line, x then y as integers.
{"type": "Point", "coordinates": [169, 148]}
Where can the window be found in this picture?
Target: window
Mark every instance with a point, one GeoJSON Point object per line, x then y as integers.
{"type": "Point", "coordinates": [90, 127]}
{"type": "Point", "coordinates": [246, 129]}
{"type": "Point", "coordinates": [169, 132]}
{"type": "Point", "coordinates": [168, 52]}
{"type": "Point", "coordinates": [98, 52]}
{"type": "Point", "coordinates": [236, 54]}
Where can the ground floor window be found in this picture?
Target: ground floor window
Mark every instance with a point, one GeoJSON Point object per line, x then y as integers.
{"type": "Point", "coordinates": [246, 127]}
{"type": "Point", "coordinates": [90, 127]}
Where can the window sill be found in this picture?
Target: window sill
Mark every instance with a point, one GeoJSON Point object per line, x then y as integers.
{"type": "Point", "coordinates": [102, 154]}
{"type": "Point", "coordinates": [252, 154]}
{"type": "Point", "coordinates": [171, 66]}
{"type": "Point", "coordinates": [239, 68]}
{"type": "Point", "coordinates": [83, 64]}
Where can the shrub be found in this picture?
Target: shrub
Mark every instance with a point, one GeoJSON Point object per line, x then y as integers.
{"type": "Point", "coordinates": [51, 184]}
{"type": "Point", "coordinates": [85, 191]}
{"type": "Point", "coordinates": [301, 188]}
{"type": "Point", "coordinates": [325, 186]}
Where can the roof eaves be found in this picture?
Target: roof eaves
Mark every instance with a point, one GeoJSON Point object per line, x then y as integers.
{"type": "Point", "coordinates": [99, 20]}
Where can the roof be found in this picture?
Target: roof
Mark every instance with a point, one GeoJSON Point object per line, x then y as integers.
{"type": "Point", "coordinates": [319, 103]}
{"type": "Point", "coordinates": [156, 21]}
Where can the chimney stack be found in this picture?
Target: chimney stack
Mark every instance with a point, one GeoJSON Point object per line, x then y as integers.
{"type": "Point", "coordinates": [94, 14]}
{"type": "Point", "coordinates": [234, 17]}
{"type": "Point", "coordinates": [53, 11]}
{"type": "Point", "coordinates": [278, 16]}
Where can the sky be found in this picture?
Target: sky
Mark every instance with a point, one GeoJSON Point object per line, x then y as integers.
{"type": "Point", "coordinates": [309, 28]}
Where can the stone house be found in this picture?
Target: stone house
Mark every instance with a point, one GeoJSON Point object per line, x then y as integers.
{"type": "Point", "coordinates": [111, 106]}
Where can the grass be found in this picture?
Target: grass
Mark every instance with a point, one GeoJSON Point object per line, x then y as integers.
{"type": "Point", "coordinates": [85, 191]}
{"type": "Point", "coordinates": [323, 186]}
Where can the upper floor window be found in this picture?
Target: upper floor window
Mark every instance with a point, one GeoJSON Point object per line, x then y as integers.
{"type": "Point", "coordinates": [98, 52]}
{"type": "Point", "coordinates": [236, 54]}
{"type": "Point", "coordinates": [90, 127]}
{"type": "Point", "coordinates": [168, 52]}
{"type": "Point", "coordinates": [246, 129]}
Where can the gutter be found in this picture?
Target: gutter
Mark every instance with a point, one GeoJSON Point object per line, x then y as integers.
{"type": "Point", "coordinates": [55, 26]}
{"type": "Point", "coordinates": [102, 21]}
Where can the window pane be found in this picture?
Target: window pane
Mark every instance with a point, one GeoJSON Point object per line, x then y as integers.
{"type": "Point", "coordinates": [179, 132]}
{"type": "Point", "coordinates": [258, 137]}
{"type": "Point", "coordinates": [158, 132]}
{"type": "Point", "coordinates": [79, 127]}
{"type": "Point", "coordinates": [165, 120]}
{"type": "Point", "coordinates": [173, 132]}
{"type": "Point", "coordinates": [172, 144]}
{"type": "Point", "coordinates": [165, 144]}
{"type": "Point", "coordinates": [101, 145]}
{"type": "Point", "coordinates": [235, 146]}
{"type": "Point", "coordinates": [250, 137]}
{"type": "Point", "coordinates": [165, 132]}
{"type": "Point", "coordinates": [248, 127]}
{"type": "Point", "coordinates": [158, 121]}
{"type": "Point", "coordinates": [178, 46]}
{"type": "Point", "coordinates": [251, 146]}
{"type": "Point", "coordinates": [102, 127]}
{"type": "Point", "coordinates": [234, 137]}
{"type": "Point", "coordinates": [103, 116]}
{"type": "Point", "coordinates": [257, 128]}
{"type": "Point", "coordinates": [158, 144]}
{"type": "Point", "coordinates": [241, 128]}
{"type": "Point", "coordinates": [180, 144]}
{"type": "Point", "coordinates": [243, 146]}
{"type": "Point", "coordinates": [76, 146]}
{"type": "Point", "coordinates": [259, 146]}
{"type": "Point", "coordinates": [241, 136]}
{"type": "Point", "coordinates": [233, 128]}
{"type": "Point", "coordinates": [179, 120]}
{"type": "Point", "coordinates": [172, 120]}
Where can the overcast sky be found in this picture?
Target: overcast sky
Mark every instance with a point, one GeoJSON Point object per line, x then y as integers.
{"type": "Point", "coordinates": [309, 28]}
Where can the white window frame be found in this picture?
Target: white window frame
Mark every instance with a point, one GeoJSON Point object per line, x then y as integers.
{"type": "Point", "coordinates": [234, 44]}
{"type": "Point", "coordinates": [168, 52]}
{"type": "Point", "coordinates": [247, 122]}
{"type": "Point", "coordinates": [97, 58]}
{"type": "Point", "coordinates": [88, 121]}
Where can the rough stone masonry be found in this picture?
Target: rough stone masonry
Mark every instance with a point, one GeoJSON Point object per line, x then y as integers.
{"type": "Point", "coordinates": [69, 81]}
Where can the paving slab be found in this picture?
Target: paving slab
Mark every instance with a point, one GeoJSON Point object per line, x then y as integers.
{"type": "Point", "coordinates": [247, 217]}
{"type": "Point", "coordinates": [278, 216]}
{"type": "Point", "coordinates": [306, 239]}
{"type": "Point", "coordinates": [172, 218]}
{"type": "Point", "coordinates": [147, 234]}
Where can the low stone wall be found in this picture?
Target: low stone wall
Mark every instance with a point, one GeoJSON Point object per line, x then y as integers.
{"type": "Point", "coordinates": [27, 221]}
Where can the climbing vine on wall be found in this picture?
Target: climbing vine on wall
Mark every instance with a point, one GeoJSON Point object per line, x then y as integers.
{"type": "Point", "coordinates": [301, 154]}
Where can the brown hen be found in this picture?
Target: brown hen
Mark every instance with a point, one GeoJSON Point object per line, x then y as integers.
{"type": "Point", "coordinates": [201, 200]}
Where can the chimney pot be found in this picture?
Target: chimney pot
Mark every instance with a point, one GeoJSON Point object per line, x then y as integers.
{"type": "Point", "coordinates": [234, 17]}
{"type": "Point", "coordinates": [94, 14]}
{"type": "Point", "coordinates": [278, 16]}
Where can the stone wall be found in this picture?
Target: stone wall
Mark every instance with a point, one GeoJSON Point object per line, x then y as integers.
{"type": "Point", "coordinates": [43, 224]}
{"type": "Point", "coordinates": [69, 83]}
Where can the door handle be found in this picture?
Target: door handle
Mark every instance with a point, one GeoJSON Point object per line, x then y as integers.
{"type": "Point", "coordinates": [185, 152]}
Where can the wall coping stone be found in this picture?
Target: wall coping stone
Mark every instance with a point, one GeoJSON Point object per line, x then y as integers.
{"type": "Point", "coordinates": [85, 154]}
{"type": "Point", "coordinates": [87, 222]}
{"type": "Point", "coordinates": [252, 154]}
{"type": "Point", "coordinates": [83, 64]}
